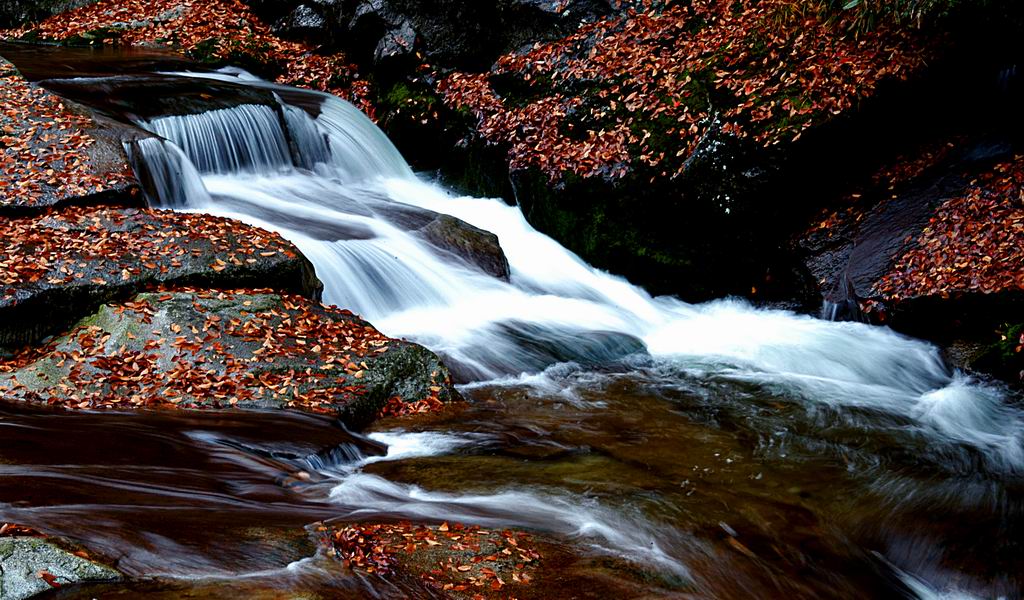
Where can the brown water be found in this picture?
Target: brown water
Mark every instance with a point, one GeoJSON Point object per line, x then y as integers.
{"type": "Point", "coordinates": [711, 489]}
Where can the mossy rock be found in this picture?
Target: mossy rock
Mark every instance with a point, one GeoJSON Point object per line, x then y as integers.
{"type": "Point", "coordinates": [214, 349]}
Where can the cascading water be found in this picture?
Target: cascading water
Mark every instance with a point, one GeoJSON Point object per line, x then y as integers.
{"type": "Point", "coordinates": [337, 214]}
{"type": "Point", "coordinates": [331, 182]}
{"type": "Point", "coordinates": [170, 178]}
{"type": "Point", "coordinates": [229, 140]}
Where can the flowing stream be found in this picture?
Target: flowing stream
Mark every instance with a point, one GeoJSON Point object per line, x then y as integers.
{"type": "Point", "coordinates": [726, 450]}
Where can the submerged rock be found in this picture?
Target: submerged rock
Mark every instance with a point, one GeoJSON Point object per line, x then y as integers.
{"type": "Point", "coordinates": [462, 562]}
{"type": "Point", "coordinates": [32, 565]}
{"type": "Point", "coordinates": [449, 235]}
{"type": "Point", "coordinates": [241, 349]}
{"type": "Point", "coordinates": [60, 267]}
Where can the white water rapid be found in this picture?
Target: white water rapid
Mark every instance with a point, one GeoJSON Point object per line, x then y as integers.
{"type": "Point", "coordinates": [332, 183]}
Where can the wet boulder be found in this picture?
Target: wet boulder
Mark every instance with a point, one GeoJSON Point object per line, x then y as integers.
{"type": "Point", "coordinates": [32, 565]}
{"type": "Point", "coordinates": [472, 244]}
{"type": "Point", "coordinates": [59, 267]}
{"type": "Point", "coordinates": [229, 349]}
{"type": "Point", "coordinates": [448, 235]}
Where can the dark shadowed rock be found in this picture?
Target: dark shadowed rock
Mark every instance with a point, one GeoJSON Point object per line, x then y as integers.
{"type": "Point", "coordinates": [304, 22]}
{"type": "Point", "coordinates": [14, 13]}
{"type": "Point", "coordinates": [449, 32]}
{"type": "Point", "coordinates": [241, 349]}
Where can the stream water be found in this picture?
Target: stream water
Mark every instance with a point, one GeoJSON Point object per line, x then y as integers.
{"type": "Point", "coordinates": [725, 450]}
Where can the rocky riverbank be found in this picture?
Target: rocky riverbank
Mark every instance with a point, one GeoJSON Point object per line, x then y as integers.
{"type": "Point", "coordinates": [106, 304]}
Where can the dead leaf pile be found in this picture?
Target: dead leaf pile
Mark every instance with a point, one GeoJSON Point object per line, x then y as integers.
{"type": "Point", "coordinates": [883, 186]}
{"type": "Point", "coordinates": [642, 89]}
{"type": "Point", "coordinates": [973, 244]}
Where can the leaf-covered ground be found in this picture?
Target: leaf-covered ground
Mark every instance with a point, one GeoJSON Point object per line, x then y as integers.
{"type": "Point", "coordinates": [644, 88]}
{"type": "Point", "coordinates": [224, 30]}
{"type": "Point", "coordinates": [225, 349]}
{"type": "Point", "coordinates": [45, 148]}
{"type": "Point", "coordinates": [973, 244]}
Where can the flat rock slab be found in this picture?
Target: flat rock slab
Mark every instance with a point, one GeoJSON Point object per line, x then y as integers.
{"type": "Point", "coordinates": [33, 565]}
{"type": "Point", "coordinates": [57, 268]}
{"type": "Point", "coordinates": [53, 154]}
{"type": "Point", "coordinates": [213, 349]}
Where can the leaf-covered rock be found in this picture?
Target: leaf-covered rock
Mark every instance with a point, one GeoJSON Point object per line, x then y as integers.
{"type": "Point", "coordinates": [641, 90]}
{"type": "Point", "coordinates": [464, 562]}
{"type": "Point", "coordinates": [228, 349]}
{"type": "Point", "coordinates": [947, 222]}
{"type": "Point", "coordinates": [52, 153]}
{"type": "Point", "coordinates": [58, 267]}
{"type": "Point", "coordinates": [932, 245]}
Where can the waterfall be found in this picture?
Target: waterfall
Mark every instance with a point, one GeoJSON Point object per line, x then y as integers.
{"type": "Point", "coordinates": [333, 184]}
{"type": "Point", "coordinates": [228, 140]}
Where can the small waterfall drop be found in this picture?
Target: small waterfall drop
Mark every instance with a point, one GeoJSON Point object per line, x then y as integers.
{"type": "Point", "coordinates": [311, 145]}
{"type": "Point", "coordinates": [345, 196]}
{"type": "Point", "coordinates": [228, 140]}
{"type": "Point", "coordinates": [166, 173]}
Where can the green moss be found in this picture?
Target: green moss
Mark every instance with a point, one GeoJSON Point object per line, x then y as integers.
{"type": "Point", "coordinates": [1002, 358]}
{"type": "Point", "coordinates": [405, 95]}
{"type": "Point", "coordinates": [97, 37]}
{"type": "Point", "coordinates": [1007, 349]}
{"type": "Point", "coordinates": [206, 50]}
